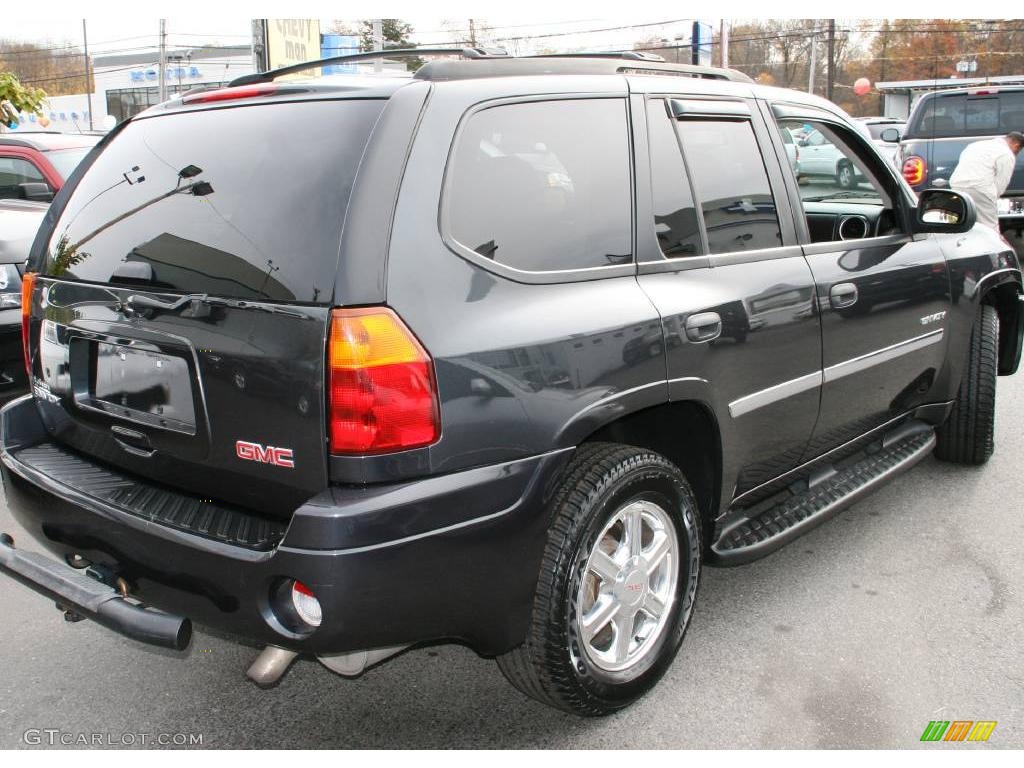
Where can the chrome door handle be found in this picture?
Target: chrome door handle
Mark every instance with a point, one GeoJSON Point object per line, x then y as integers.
{"type": "Point", "coordinates": [843, 295]}
{"type": "Point", "coordinates": [704, 326]}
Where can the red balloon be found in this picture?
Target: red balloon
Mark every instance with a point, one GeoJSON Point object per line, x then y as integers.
{"type": "Point", "coordinates": [862, 86]}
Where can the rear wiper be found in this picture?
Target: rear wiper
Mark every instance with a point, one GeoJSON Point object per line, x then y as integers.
{"type": "Point", "coordinates": [198, 303]}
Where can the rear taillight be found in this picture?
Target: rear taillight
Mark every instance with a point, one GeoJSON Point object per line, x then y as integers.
{"type": "Point", "coordinates": [914, 170]}
{"type": "Point", "coordinates": [28, 282]}
{"type": "Point", "coordinates": [382, 392]}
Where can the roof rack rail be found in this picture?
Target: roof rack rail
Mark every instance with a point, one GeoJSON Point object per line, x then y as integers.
{"type": "Point", "coordinates": [621, 63]}
{"type": "Point", "coordinates": [270, 75]}
{"type": "Point", "coordinates": [628, 55]}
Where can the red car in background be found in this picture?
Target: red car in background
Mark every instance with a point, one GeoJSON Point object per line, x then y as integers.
{"type": "Point", "coordinates": [33, 166]}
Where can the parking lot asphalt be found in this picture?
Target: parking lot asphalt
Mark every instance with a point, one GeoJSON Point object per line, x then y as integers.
{"type": "Point", "coordinates": [908, 607]}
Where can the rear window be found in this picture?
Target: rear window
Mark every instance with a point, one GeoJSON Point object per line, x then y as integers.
{"type": "Point", "coordinates": [969, 115]}
{"type": "Point", "coordinates": [244, 202]}
{"type": "Point", "coordinates": [66, 160]}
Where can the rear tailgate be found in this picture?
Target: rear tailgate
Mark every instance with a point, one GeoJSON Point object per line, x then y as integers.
{"type": "Point", "coordinates": [179, 319]}
{"type": "Point", "coordinates": [943, 124]}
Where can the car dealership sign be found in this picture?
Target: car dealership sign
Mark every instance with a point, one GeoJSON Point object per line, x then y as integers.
{"type": "Point", "coordinates": [291, 41]}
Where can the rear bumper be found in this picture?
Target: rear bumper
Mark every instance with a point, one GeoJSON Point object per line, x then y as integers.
{"type": "Point", "coordinates": [451, 557]}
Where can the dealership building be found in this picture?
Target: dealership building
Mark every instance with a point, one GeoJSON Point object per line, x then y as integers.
{"type": "Point", "coordinates": [127, 84]}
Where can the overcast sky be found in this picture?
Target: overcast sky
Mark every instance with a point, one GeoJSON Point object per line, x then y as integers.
{"type": "Point", "coordinates": [113, 35]}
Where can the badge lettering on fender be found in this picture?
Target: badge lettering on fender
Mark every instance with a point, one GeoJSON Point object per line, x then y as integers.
{"type": "Point", "coordinates": [279, 457]}
{"type": "Point", "coordinates": [932, 318]}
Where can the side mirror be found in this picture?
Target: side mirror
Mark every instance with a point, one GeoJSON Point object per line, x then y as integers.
{"type": "Point", "coordinates": [802, 142]}
{"type": "Point", "coordinates": [943, 210]}
{"type": "Point", "coordinates": [36, 190]}
{"type": "Point", "coordinates": [891, 135]}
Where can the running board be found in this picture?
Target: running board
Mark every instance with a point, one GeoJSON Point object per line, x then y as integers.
{"type": "Point", "coordinates": [762, 533]}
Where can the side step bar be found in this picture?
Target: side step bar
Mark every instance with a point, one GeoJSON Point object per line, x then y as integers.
{"type": "Point", "coordinates": [80, 595]}
{"type": "Point", "coordinates": [756, 536]}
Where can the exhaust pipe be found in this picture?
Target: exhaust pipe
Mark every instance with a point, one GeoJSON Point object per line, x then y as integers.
{"type": "Point", "coordinates": [270, 665]}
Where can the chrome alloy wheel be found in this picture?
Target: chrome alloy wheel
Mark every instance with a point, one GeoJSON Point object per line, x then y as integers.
{"type": "Point", "coordinates": [628, 586]}
{"type": "Point", "coordinates": [845, 176]}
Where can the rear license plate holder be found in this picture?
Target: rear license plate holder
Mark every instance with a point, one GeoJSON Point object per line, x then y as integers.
{"type": "Point", "coordinates": [141, 385]}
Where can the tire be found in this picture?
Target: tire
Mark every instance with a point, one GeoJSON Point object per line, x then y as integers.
{"type": "Point", "coordinates": [968, 435]}
{"type": "Point", "coordinates": [844, 176]}
{"type": "Point", "coordinates": [586, 670]}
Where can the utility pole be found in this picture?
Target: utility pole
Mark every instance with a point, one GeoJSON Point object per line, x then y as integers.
{"type": "Point", "coordinates": [88, 69]}
{"type": "Point", "coordinates": [378, 43]}
{"type": "Point", "coordinates": [259, 45]}
{"type": "Point", "coordinates": [163, 60]}
{"type": "Point", "coordinates": [810, 76]}
{"type": "Point", "coordinates": [723, 39]}
{"type": "Point", "coordinates": [831, 58]}
{"type": "Point", "coordinates": [472, 34]}
{"type": "Point", "coordinates": [881, 74]}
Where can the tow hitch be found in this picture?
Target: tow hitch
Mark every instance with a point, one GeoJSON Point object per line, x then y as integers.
{"type": "Point", "coordinates": [83, 596]}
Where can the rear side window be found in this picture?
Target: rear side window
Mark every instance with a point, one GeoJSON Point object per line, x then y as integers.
{"type": "Point", "coordinates": [244, 202]}
{"type": "Point", "coordinates": [731, 182]}
{"type": "Point", "coordinates": [676, 221]}
{"type": "Point", "coordinates": [543, 186]}
{"type": "Point", "coordinates": [969, 115]}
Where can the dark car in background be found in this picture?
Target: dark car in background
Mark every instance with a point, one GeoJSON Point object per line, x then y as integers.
{"type": "Point", "coordinates": [19, 222]}
{"type": "Point", "coordinates": [34, 166]}
{"type": "Point", "coordinates": [942, 124]}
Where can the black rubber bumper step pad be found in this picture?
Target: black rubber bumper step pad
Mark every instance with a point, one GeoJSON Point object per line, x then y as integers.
{"type": "Point", "coordinates": [774, 527]}
{"type": "Point", "coordinates": [151, 502]}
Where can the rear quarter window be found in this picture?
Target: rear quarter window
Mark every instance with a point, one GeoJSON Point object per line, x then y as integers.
{"type": "Point", "coordinates": [244, 202]}
{"type": "Point", "coordinates": [543, 186]}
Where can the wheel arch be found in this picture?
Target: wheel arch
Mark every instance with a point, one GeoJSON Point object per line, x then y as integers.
{"type": "Point", "coordinates": [661, 428]}
{"type": "Point", "coordinates": [1006, 297]}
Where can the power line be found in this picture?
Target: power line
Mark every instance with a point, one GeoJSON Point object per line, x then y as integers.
{"type": "Point", "coordinates": [64, 46]}
{"type": "Point", "coordinates": [548, 35]}
{"type": "Point", "coordinates": [77, 74]}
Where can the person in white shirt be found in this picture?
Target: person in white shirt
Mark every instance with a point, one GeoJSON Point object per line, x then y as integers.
{"type": "Point", "coordinates": [984, 172]}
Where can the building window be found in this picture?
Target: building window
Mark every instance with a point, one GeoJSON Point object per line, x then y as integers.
{"type": "Point", "coordinates": [123, 103]}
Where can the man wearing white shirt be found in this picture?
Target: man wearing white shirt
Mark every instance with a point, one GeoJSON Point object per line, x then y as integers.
{"type": "Point", "coordinates": [984, 172]}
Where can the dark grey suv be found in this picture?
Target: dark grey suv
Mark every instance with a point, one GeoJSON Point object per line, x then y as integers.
{"type": "Point", "coordinates": [502, 354]}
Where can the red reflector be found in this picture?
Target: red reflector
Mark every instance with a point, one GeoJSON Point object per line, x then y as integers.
{"type": "Point", "coordinates": [306, 605]}
{"type": "Point", "coordinates": [229, 94]}
{"type": "Point", "coordinates": [913, 170]}
{"type": "Point", "coordinates": [382, 391]}
{"type": "Point", "coordinates": [28, 282]}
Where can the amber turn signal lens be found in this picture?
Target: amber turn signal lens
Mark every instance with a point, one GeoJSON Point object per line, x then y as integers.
{"type": "Point", "coordinates": [381, 385]}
